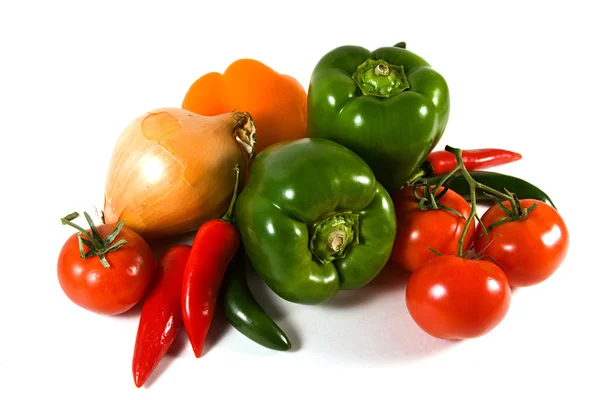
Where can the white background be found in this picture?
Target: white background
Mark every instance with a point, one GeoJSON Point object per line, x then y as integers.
{"type": "Point", "coordinates": [522, 75]}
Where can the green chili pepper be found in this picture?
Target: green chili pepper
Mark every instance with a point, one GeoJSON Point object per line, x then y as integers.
{"type": "Point", "coordinates": [243, 311]}
{"type": "Point", "coordinates": [495, 180]}
{"type": "Point", "coordinates": [314, 220]}
{"type": "Point", "coordinates": [389, 106]}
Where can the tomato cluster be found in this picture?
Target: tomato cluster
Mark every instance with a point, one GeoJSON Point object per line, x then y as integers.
{"type": "Point", "coordinates": [454, 294]}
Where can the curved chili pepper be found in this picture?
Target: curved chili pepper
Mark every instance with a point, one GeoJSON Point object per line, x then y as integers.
{"type": "Point", "coordinates": [442, 162]}
{"type": "Point", "coordinates": [160, 319]}
{"type": "Point", "coordinates": [495, 180]}
{"type": "Point", "coordinates": [214, 245]}
{"type": "Point", "coordinates": [243, 311]}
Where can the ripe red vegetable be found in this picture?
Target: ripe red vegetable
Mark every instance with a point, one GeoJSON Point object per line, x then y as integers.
{"type": "Point", "coordinates": [214, 245]}
{"type": "Point", "coordinates": [442, 162]}
{"type": "Point", "coordinates": [530, 249]}
{"type": "Point", "coordinates": [160, 319]}
{"type": "Point", "coordinates": [106, 269]}
{"type": "Point", "coordinates": [452, 297]}
{"type": "Point", "coordinates": [436, 228]}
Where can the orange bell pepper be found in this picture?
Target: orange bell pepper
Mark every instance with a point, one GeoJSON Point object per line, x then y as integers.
{"type": "Point", "coordinates": [276, 102]}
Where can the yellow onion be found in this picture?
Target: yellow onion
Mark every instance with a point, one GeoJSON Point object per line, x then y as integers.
{"type": "Point", "coordinates": [172, 170]}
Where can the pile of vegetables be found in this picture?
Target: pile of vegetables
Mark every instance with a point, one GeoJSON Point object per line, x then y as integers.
{"type": "Point", "coordinates": [317, 191]}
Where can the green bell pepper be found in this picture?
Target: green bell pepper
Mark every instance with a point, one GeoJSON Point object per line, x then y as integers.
{"type": "Point", "coordinates": [314, 220]}
{"type": "Point", "coordinates": [388, 106]}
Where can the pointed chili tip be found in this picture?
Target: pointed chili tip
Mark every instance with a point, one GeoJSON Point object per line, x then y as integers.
{"type": "Point", "coordinates": [287, 345]}
{"type": "Point", "coordinates": [197, 351]}
{"type": "Point", "coordinates": [139, 379]}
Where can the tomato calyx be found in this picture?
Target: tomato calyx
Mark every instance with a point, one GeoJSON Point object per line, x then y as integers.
{"type": "Point", "coordinates": [430, 200]}
{"type": "Point", "coordinates": [97, 245]}
{"type": "Point", "coordinates": [481, 254]}
{"type": "Point", "coordinates": [514, 213]}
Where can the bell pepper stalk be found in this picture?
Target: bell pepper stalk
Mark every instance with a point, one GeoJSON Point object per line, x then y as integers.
{"type": "Point", "coordinates": [314, 220]}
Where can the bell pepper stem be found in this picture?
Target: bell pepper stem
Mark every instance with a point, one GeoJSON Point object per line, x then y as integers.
{"type": "Point", "coordinates": [379, 78]}
{"type": "Point", "coordinates": [333, 236]}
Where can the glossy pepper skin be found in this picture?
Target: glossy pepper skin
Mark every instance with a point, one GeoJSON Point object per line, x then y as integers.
{"type": "Point", "coordinates": [441, 162]}
{"type": "Point", "coordinates": [277, 102]}
{"type": "Point", "coordinates": [389, 106]}
{"type": "Point", "coordinates": [314, 220]}
{"type": "Point", "coordinates": [243, 311]}
{"type": "Point", "coordinates": [160, 319]}
{"type": "Point", "coordinates": [214, 246]}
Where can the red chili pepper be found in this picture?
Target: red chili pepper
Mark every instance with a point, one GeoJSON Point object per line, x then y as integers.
{"type": "Point", "coordinates": [442, 162]}
{"type": "Point", "coordinates": [160, 319]}
{"type": "Point", "coordinates": [214, 245]}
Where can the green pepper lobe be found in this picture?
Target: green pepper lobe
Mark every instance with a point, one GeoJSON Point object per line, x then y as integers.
{"type": "Point", "coordinates": [388, 106]}
{"type": "Point", "coordinates": [313, 220]}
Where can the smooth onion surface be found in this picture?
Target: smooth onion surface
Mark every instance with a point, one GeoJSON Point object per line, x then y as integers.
{"type": "Point", "coordinates": [172, 170]}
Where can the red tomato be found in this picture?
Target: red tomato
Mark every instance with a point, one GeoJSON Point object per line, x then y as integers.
{"type": "Point", "coordinates": [418, 230]}
{"type": "Point", "coordinates": [451, 297]}
{"type": "Point", "coordinates": [530, 249]}
{"type": "Point", "coordinates": [113, 290]}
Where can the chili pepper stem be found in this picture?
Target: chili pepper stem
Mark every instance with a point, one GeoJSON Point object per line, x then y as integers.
{"type": "Point", "coordinates": [229, 214]}
{"type": "Point", "coordinates": [420, 173]}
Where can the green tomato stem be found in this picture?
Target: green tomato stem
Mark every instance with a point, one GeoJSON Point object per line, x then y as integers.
{"type": "Point", "coordinates": [472, 185]}
{"type": "Point", "coordinates": [98, 246]}
{"type": "Point", "coordinates": [68, 221]}
{"type": "Point", "coordinates": [496, 195]}
{"type": "Point", "coordinates": [448, 176]}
